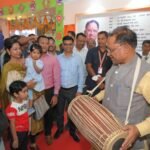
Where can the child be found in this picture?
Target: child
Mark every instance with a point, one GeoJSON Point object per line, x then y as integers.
{"type": "Point", "coordinates": [18, 115]}
{"type": "Point", "coordinates": [34, 67]}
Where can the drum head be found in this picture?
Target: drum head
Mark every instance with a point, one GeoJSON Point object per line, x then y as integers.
{"type": "Point", "coordinates": [118, 144]}
{"type": "Point", "coordinates": [115, 140]}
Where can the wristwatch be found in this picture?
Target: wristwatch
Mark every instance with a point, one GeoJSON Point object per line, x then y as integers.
{"type": "Point", "coordinates": [95, 78]}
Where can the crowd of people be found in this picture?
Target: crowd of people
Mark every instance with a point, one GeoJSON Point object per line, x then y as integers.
{"type": "Point", "coordinates": [32, 66]}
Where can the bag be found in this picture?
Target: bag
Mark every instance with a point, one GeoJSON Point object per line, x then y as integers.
{"type": "Point", "coordinates": [40, 105]}
{"type": "Point", "coordinates": [3, 121]}
{"type": "Point", "coordinates": [37, 126]}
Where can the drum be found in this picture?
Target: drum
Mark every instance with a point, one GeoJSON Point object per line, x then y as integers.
{"type": "Point", "coordinates": [96, 123]}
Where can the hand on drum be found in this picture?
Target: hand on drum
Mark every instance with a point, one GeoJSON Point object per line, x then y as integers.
{"type": "Point", "coordinates": [133, 134]}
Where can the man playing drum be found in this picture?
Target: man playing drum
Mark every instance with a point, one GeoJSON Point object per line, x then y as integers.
{"type": "Point", "coordinates": [119, 82]}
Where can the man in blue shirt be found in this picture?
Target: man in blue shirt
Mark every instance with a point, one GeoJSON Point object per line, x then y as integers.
{"type": "Point", "coordinates": [72, 81]}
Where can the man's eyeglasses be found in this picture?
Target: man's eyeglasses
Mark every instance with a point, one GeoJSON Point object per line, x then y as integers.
{"type": "Point", "coordinates": [113, 49]}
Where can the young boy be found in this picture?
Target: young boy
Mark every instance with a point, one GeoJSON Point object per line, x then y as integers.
{"type": "Point", "coordinates": [18, 115]}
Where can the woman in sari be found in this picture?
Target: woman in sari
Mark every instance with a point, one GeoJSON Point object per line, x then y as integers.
{"type": "Point", "coordinates": [14, 69]}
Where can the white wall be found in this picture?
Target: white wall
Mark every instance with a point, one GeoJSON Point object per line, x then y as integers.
{"type": "Point", "coordinates": [73, 7]}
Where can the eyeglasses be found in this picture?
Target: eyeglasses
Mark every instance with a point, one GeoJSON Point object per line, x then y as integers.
{"type": "Point", "coordinates": [113, 49]}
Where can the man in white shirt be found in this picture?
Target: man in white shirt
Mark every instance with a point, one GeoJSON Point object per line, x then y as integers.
{"type": "Point", "coordinates": [81, 49]}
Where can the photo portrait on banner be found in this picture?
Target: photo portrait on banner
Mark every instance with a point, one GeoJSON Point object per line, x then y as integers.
{"type": "Point", "coordinates": [92, 25]}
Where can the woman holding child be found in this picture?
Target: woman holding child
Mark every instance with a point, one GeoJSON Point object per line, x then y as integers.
{"type": "Point", "coordinates": [14, 69]}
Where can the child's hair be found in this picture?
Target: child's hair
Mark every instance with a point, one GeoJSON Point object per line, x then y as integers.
{"type": "Point", "coordinates": [36, 46]}
{"type": "Point", "coordinates": [16, 86]}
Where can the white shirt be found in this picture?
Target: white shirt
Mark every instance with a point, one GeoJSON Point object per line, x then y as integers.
{"type": "Point", "coordinates": [82, 53]}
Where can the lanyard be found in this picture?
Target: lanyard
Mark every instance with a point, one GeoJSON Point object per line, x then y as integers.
{"type": "Point", "coordinates": [101, 59]}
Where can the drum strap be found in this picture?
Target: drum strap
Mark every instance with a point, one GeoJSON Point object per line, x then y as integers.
{"type": "Point", "coordinates": [90, 92]}
{"type": "Point", "coordinates": [136, 74]}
